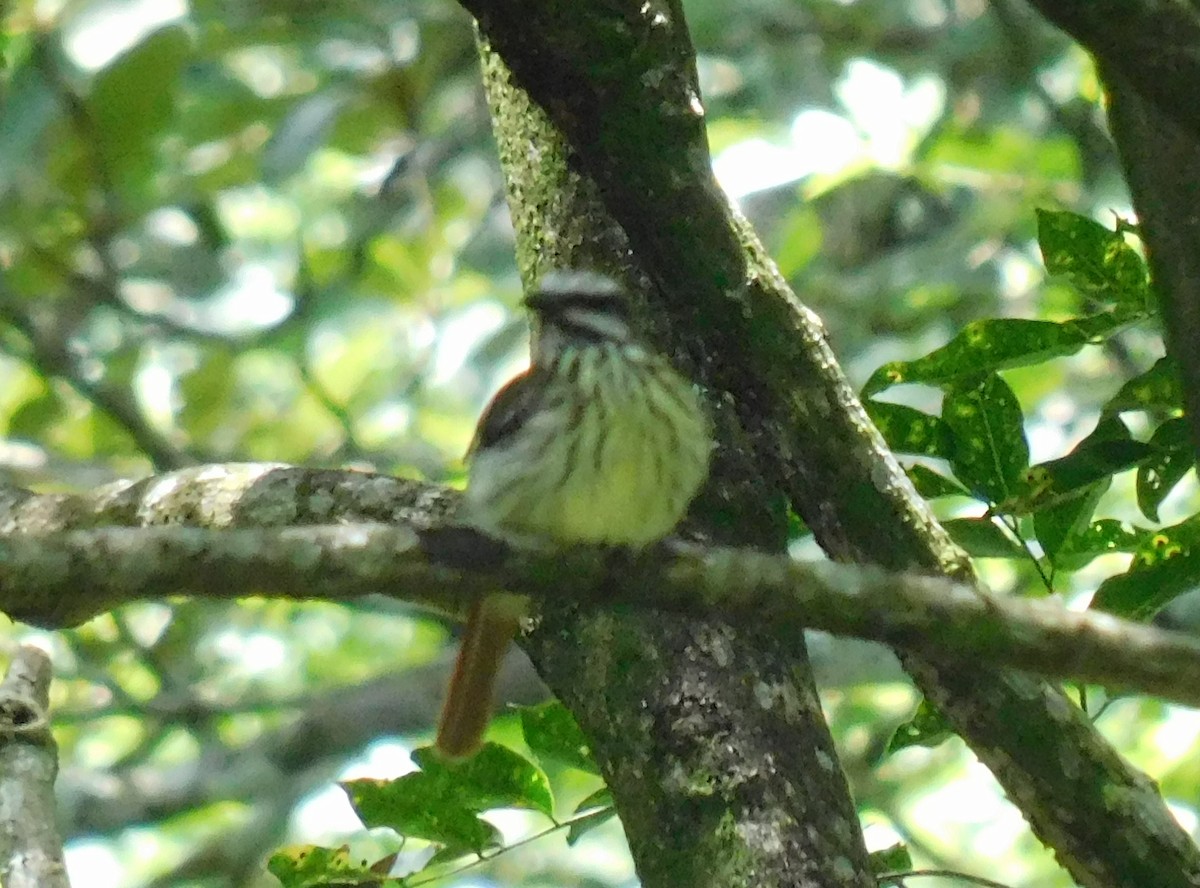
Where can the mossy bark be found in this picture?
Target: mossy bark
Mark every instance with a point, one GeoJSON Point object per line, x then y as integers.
{"type": "Point", "coordinates": [615, 82]}
{"type": "Point", "coordinates": [711, 738]}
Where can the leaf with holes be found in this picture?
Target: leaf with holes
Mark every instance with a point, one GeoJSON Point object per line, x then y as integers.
{"type": "Point", "coordinates": [908, 430]}
{"type": "Point", "coordinates": [927, 727]}
{"type": "Point", "coordinates": [1165, 468]}
{"type": "Point", "coordinates": [1101, 537]}
{"type": "Point", "coordinates": [495, 777]}
{"type": "Point", "coordinates": [1142, 591]}
{"type": "Point", "coordinates": [1158, 388]}
{"type": "Point", "coordinates": [310, 866]}
{"type": "Point", "coordinates": [1165, 565]}
{"type": "Point", "coordinates": [893, 859]}
{"type": "Point", "coordinates": [421, 807]}
{"type": "Point", "coordinates": [987, 346]}
{"type": "Point", "coordinates": [990, 450]}
{"type": "Point", "coordinates": [1098, 261]}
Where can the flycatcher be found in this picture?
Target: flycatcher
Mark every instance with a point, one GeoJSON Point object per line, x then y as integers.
{"type": "Point", "coordinates": [599, 442]}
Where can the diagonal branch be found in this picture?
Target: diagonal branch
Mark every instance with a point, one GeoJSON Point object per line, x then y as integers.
{"type": "Point", "coordinates": [49, 354]}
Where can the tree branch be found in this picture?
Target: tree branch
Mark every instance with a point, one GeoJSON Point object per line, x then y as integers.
{"type": "Point", "coordinates": [1162, 166]}
{"type": "Point", "coordinates": [50, 355]}
{"type": "Point", "coordinates": [1152, 44]}
{"type": "Point", "coordinates": [65, 577]}
{"type": "Point", "coordinates": [31, 854]}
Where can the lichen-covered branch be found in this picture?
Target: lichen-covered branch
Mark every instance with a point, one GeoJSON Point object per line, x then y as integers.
{"type": "Point", "coordinates": [31, 853]}
{"type": "Point", "coordinates": [63, 577]}
{"type": "Point", "coordinates": [231, 495]}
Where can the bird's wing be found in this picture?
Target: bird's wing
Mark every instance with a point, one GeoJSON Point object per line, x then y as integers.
{"type": "Point", "coordinates": [507, 410]}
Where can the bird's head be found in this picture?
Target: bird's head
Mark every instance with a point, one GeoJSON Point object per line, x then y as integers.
{"type": "Point", "coordinates": [575, 308]}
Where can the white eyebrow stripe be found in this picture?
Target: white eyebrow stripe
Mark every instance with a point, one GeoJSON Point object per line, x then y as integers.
{"type": "Point", "coordinates": [600, 323]}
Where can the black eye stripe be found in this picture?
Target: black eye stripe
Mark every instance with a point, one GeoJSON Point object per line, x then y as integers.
{"type": "Point", "coordinates": [555, 304]}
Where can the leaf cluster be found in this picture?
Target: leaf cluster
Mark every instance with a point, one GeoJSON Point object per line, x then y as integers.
{"type": "Point", "coordinates": [977, 448]}
{"type": "Point", "coordinates": [441, 804]}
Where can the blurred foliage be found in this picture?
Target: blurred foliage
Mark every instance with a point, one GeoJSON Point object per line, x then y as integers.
{"type": "Point", "coordinates": [276, 231]}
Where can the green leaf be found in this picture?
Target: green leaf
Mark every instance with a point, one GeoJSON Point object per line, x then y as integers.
{"type": "Point", "coordinates": [1099, 262]}
{"type": "Point", "coordinates": [1142, 591]}
{"type": "Point", "coordinates": [1005, 149]}
{"type": "Point", "coordinates": [1156, 389]}
{"type": "Point", "coordinates": [553, 734]}
{"type": "Point", "coordinates": [28, 108]}
{"type": "Point", "coordinates": [990, 450]}
{"type": "Point", "coordinates": [601, 798]}
{"type": "Point", "coordinates": [207, 392]}
{"type": "Point", "coordinates": [1164, 566]}
{"type": "Point", "coordinates": [602, 801]}
{"type": "Point", "coordinates": [420, 807]}
{"type": "Point", "coordinates": [983, 538]}
{"type": "Point", "coordinates": [990, 345]}
{"type": "Point", "coordinates": [584, 825]}
{"type": "Point", "coordinates": [1108, 450]}
{"type": "Point", "coordinates": [1101, 537]}
{"type": "Point", "coordinates": [927, 727]}
{"type": "Point", "coordinates": [1063, 493]}
{"type": "Point", "coordinates": [1094, 460]}
{"type": "Point", "coordinates": [36, 418]}
{"type": "Point", "coordinates": [798, 240]}
{"type": "Point", "coordinates": [1165, 468]}
{"type": "Point", "coordinates": [495, 777]}
{"type": "Point", "coordinates": [1054, 526]}
{"type": "Point", "coordinates": [931, 484]}
{"type": "Point", "coordinates": [895, 859]}
{"type": "Point", "coordinates": [310, 866]}
{"type": "Point", "coordinates": [908, 430]}
{"type": "Point", "coordinates": [443, 856]}
{"type": "Point", "coordinates": [133, 99]}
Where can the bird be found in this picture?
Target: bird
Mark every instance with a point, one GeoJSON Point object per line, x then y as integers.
{"type": "Point", "coordinates": [600, 442]}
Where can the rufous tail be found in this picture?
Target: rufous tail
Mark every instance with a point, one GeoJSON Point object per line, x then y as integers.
{"type": "Point", "coordinates": [491, 626]}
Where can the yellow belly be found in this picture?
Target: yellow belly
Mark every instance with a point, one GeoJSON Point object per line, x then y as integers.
{"type": "Point", "coordinates": [616, 459]}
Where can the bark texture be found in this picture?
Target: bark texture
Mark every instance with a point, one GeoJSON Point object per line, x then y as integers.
{"type": "Point", "coordinates": [1149, 56]}
{"type": "Point", "coordinates": [617, 81]}
{"type": "Point", "coordinates": [710, 736]}
{"type": "Point", "coordinates": [31, 848]}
